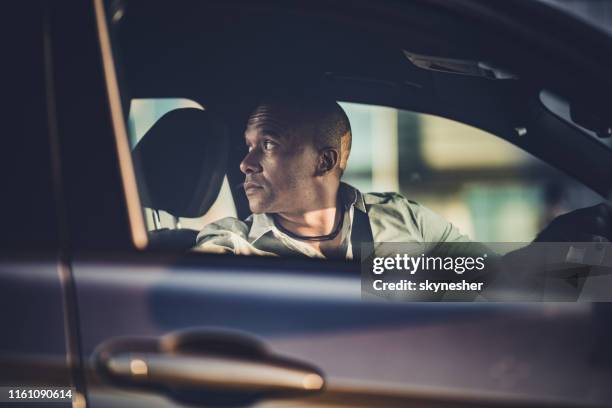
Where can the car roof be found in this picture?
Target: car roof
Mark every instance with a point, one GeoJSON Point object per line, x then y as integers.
{"type": "Point", "coordinates": [224, 55]}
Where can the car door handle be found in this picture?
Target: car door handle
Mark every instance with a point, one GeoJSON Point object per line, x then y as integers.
{"type": "Point", "coordinates": [211, 372]}
{"type": "Point", "coordinates": [204, 367]}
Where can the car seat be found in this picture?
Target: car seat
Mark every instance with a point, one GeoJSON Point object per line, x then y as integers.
{"type": "Point", "coordinates": [180, 164]}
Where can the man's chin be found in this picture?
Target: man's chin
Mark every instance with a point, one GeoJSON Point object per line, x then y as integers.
{"type": "Point", "coordinates": [256, 207]}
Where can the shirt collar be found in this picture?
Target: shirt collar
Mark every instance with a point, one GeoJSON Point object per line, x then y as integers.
{"type": "Point", "coordinates": [350, 196]}
{"type": "Point", "coordinates": [263, 223]}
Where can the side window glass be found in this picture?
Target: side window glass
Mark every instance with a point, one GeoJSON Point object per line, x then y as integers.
{"type": "Point", "coordinates": [492, 190]}
{"type": "Point", "coordinates": [144, 113]}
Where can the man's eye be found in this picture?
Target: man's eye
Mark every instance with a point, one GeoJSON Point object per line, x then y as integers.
{"type": "Point", "coordinates": [268, 145]}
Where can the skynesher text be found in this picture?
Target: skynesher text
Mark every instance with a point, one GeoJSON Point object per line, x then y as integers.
{"type": "Point", "coordinates": [427, 285]}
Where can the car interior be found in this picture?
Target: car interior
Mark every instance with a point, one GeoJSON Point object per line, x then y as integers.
{"type": "Point", "coordinates": [180, 171]}
{"type": "Point", "coordinates": [224, 56]}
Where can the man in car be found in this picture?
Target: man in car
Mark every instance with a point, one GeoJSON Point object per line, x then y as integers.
{"type": "Point", "coordinates": [298, 148]}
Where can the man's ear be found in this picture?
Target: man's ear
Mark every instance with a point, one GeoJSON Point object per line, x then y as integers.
{"type": "Point", "coordinates": [328, 159]}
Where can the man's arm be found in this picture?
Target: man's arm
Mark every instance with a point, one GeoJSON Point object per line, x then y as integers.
{"type": "Point", "coordinates": [227, 236]}
{"type": "Point", "coordinates": [221, 236]}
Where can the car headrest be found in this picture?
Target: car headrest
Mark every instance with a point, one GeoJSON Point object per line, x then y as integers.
{"type": "Point", "coordinates": [180, 162]}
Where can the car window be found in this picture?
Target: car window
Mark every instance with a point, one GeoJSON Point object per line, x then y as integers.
{"type": "Point", "coordinates": [490, 189]}
{"type": "Point", "coordinates": [486, 187]}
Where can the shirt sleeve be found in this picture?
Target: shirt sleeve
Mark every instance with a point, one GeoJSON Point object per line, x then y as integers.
{"type": "Point", "coordinates": [442, 237]}
{"type": "Point", "coordinates": [227, 236]}
{"type": "Point", "coordinates": [433, 227]}
{"type": "Point", "coordinates": [222, 236]}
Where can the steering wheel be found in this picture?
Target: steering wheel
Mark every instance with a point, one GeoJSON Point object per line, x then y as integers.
{"type": "Point", "coordinates": [590, 224]}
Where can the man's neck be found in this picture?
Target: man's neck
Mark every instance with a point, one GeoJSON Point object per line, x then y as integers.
{"type": "Point", "coordinates": [311, 223]}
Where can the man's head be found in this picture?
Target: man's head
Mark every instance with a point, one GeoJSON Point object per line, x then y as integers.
{"type": "Point", "coordinates": [298, 150]}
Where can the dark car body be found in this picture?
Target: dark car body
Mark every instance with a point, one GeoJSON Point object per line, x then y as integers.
{"type": "Point", "coordinates": [75, 278]}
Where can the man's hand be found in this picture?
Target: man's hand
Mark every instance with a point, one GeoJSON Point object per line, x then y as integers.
{"type": "Point", "coordinates": [591, 224]}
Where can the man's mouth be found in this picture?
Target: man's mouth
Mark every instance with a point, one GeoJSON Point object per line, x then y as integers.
{"type": "Point", "coordinates": [251, 186]}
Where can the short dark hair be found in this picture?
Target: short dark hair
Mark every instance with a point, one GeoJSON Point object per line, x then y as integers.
{"type": "Point", "coordinates": [321, 115]}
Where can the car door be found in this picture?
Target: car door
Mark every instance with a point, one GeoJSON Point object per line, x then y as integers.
{"type": "Point", "coordinates": [165, 329]}
{"type": "Point", "coordinates": [37, 344]}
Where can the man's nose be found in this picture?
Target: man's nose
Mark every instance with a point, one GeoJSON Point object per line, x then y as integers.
{"type": "Point", "coordinates": [250, 163]}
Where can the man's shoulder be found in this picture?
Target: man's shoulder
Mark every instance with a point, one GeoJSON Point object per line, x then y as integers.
{"type": "Point", "coordinates": [389, 203]}
{"type": "Point", "coordinates": [225, 226]}
{"type": "Point", "coordinates": [395, 203]}
{"type": "Point", "coordinates": [360, 199]}
{"type": "Point", "coordinates": [388, 198]}
{"type": "Point", "coordinates": [229, 235]}
{"type": "Point", "coordinates": [395, 211]}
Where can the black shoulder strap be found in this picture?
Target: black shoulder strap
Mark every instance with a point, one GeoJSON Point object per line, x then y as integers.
{"type": "Point", "coordinates": [361, 232]}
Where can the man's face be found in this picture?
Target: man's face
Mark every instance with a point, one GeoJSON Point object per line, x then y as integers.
{"type": "Point", "coordinates": [280, 165]}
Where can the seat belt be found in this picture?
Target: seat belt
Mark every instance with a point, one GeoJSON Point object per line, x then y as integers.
{"type": "Point", "coordinates": [361, 232]}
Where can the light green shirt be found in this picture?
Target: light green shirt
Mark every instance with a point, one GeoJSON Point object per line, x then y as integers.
{"type": "Point", "coordinates": [392, 218]}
